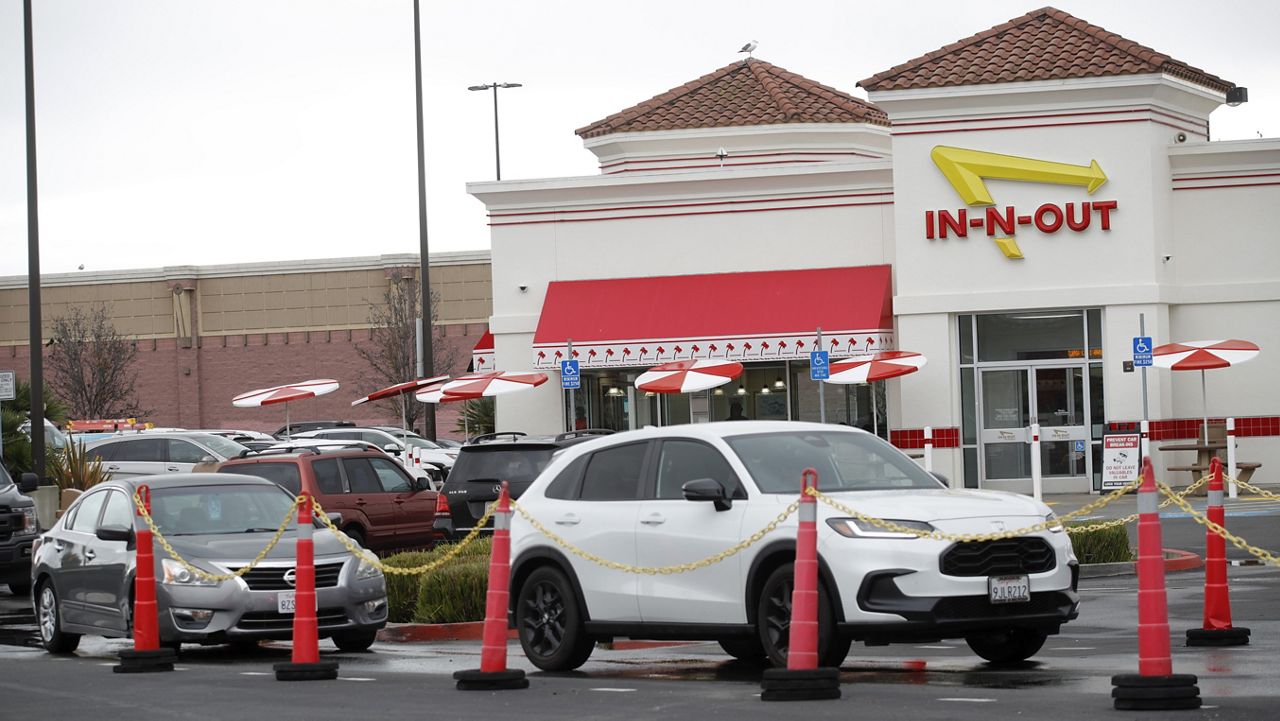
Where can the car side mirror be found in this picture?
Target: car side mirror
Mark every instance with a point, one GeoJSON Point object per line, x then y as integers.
{"type": "Point", "coordinates": [207, 460]}
{"type": "Point", "coordinates": [334, 517]}
{"type": "Point", "coordinates": [28, 482]}
{"type": "Point", "coordinates": [707, 489]}
{"type": "Point", "coordinates": [115, 533]}
{"type": "Point", "coordinates": [392, 448]}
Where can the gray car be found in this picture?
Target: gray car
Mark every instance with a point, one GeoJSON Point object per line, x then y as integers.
{"type": "Point", "coordinates": [83, 568]}
{"type": "Point", "coordinates": [150, 453]}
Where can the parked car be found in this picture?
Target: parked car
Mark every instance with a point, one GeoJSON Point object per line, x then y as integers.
{"type": "Point", "coordinates": [448, 443]}
{"type": "Point", "coordinates": [83, 567]}
{"type": "Point", "coordinates": [284, 432]}
{"type": "Point", "coordinates": [382, 506]}
{"type": "Point", "coordinates": [138, 454]}
{"type": "Point", "coordinates": [18, 529]}
{"type": "Point", "coordinates": [664, 496]}
{"type": "Point", "coordinates": [485, 462]}
{"type": "Point", "coordinates": [395, 441]}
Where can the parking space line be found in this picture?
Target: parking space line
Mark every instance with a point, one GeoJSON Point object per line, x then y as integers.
{"type": "Point", "coordinates": [948, 648]}
{"type": "Point", "coordinates": [355, 678]}
{"type": "Point", "coordinates": [969, 700]}
{"type": "Point", "coordinates": [614, 690]}
{"type": "Point", "coordinates": [257, 673]}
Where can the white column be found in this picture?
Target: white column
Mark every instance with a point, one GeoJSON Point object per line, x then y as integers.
{"type": "Point", "coordinates": [928, 449]}
{"type": "Point", "coordinates": [1233, 491]}
{"type": "Point", "coordinates": [1036, 484]}
{"type": "Point", "coordinates": [1145, 427]}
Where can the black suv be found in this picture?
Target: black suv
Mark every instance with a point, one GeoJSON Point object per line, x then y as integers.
{"type": "Point", "coordinates": [18, 528]}
{"type": "Point", "coordinates": [485, 462]}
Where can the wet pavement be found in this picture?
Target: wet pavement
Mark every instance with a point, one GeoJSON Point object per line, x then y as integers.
{"type": "Point", "coordinates": [1069, 679]}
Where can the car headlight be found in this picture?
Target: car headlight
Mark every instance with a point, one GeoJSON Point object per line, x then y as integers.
{"type": "Point", "coordinates": [857, 528]}
{"type": "Point", "coordinates": [1053, 518]}
{"type": "Point", "coordinates": [175, 574]}
{"type": "Point", "coordinates": [30, 523]}
{"type": "Point", "coordinates": [367, 569]}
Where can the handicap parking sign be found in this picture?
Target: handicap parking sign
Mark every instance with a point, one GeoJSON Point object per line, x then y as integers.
{"type": "Point", "coordinates": [1079, 447]}
{"type": "Point", "coordinates": [1142, 351]}
{"type": "Point", "coordinates": [819, 367]}
{"type": "Point", "coordinates": [570, 379]}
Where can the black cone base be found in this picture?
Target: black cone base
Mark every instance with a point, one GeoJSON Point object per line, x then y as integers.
{"type": "Point", "coordinates": [1133, 692]}
{"type": "Point", "coordinates": [132, 661]}
{"type": "Point", "coordinates": [477, 680]}
{"type": "Point", "coordinates": [780, 684]}
{"type": "Point", "coordinates": [1217, 636]}
{"type": "Point", "coordinates": [318, 671]}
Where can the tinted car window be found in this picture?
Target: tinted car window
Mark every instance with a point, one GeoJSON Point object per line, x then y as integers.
{"type": "Point", "coordinates": [146, 449]}
{"type": "Point", "coordinates": [340, 435]}
{"type": "Point", "coordinates": [328, 479]}
{"type": "Point", "coordinates": [86, 519]}
{"type": "Point", "coordinates": [682, 461]}
{"type": "Point", "coordinates": [119, 512]}
{"type": "Point", "coordinates": [565, 485]}
{"type": "Point", "coordinates": [196, 510]}
{"type": "Point", "coordinates": [376, 439]}
{"type": "Point", "coordinates": [102, 453]}
{"type": "Point", "coordinates": [613, 474]}
{"type": "Point", "coordinates": [184, 452]}
{"type": "Point", "coordinates": [225, 447]}
{"type": "Point", "coordinates": [514, 464]}
{"type": "Point", "coordinates": [845, 461]}
{"type": "Point", "coordinates": [361, 477]}
{"type": "Point", "coordinates": [392, 479]}
{"type": "Point", "coordinates": [284, 475]}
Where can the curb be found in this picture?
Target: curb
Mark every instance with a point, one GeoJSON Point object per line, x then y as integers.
{"type": "Point", "coordinates": [1174, 560]}
{"type": "Point", "coordinates": [422, 632]}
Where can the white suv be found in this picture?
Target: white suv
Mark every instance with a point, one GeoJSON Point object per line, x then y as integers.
{"type": "Point", "coordinates": [393, 442]}
{"type": "Point", "coordinates": [666, 496]}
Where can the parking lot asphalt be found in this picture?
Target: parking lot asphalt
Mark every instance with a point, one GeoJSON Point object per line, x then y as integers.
{"type": "Point", "coordinates": [1069, 679]}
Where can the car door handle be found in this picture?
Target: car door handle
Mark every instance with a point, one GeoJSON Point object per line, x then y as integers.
{"type": "Point", "coordinates": [360, 502]}
{"type": "Point", "coordinates": [90, 554]}
{"type": "Point", "coordinates": [57, 546]}
{"type": "Point", "coordinates": [399, 501]}
{"type": "Point", "coordinates": [654, 519]}
{"type": "Point", "coordinates": [568, 519]}
{"type": "Point", "coordinates": [113, 468]}
{"type": "Point", "coordinates": [172, 469]}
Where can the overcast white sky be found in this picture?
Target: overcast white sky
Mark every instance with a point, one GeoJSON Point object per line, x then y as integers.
{"type": "Point", "coordinates": [222, 131]}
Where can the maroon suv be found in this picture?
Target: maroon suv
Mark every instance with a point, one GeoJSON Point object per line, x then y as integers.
{"type": "Point", "coordinates": [382, 506]}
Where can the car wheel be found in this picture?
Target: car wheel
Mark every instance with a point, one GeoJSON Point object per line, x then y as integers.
{"type": "Point", "coordinates": [20, 589]}
{"type": "Point", "coordinates": [356, 535]}
{"type": "Point", "coordinates": [355, 640]}
{"type": "Point", "coordinates": [550, 622]}
{"type": "Point", "coordinates": [1012, 646]}
{"type": "Point", "coordinates": [49, 615]}
{"type": "Point", "coordinates": [773, 620]}
{"type": "Point", "coordinates": [746, 648]}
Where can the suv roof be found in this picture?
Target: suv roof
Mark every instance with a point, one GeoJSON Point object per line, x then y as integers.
{"type": "Point", "coordinates": [560, 440]}
{"type": "Point", "coordinates": [304, 426]}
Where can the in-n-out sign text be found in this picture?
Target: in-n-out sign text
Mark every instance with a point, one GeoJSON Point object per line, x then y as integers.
{"type": "Point", "coordinates": [968, 170]}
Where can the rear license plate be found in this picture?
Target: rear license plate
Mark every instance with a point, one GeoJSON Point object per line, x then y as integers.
{"type": "Point", "coordinates": [285, 602]}
{"type": "Point", "coordinates": [1009, 589]}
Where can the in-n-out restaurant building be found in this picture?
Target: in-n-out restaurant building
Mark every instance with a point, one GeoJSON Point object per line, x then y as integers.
{"type": "Point", "coordinates": [1012, 206]}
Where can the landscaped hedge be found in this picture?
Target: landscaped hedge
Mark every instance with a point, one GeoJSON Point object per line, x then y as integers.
{"type": "Point", "coordinates": [453, 593]}
{"type": "Point", "coordinates": [1109, 545]}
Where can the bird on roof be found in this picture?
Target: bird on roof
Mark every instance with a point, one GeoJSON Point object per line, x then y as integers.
{"type": "Point", "coordinates": [749, 47]}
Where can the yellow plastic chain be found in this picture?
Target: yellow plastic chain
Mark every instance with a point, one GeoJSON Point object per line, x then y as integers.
{"type": "Point", "coordinates": [201, 573]}
{"type": "Point", "coordinates": [1133, 516]}
{"type": "Point", "coordinates": [1200, 518]}
{"type": "Point", "coordinates": [1251, 488]}
{"type": "Point", "coordinates": [974, 537]}
{"type": "Point", "coordinates": [658, 570]}
{"type": "Point", "coordinates": [359, 552]}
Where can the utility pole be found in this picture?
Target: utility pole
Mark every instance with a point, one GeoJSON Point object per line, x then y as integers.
{"type": "Point", "coordinates": [426, 355]}
{"type": "Point", "coordinates": [34, 320]}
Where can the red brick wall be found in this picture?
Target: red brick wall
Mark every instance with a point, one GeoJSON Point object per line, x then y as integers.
{"type": "Point", "coordinates": [193, 387]}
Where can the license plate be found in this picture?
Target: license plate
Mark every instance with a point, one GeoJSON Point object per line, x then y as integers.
{"type": "Point", "coordinates": [286, 602]}
{"type": "Point", "coordinates": [1009, 589]}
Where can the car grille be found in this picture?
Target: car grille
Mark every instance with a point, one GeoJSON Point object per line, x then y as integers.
{"type": "Point", "coordinates": [971, 607]}
{"type": "Point", "coordinates": [995, 558]}
{"type": "Point", "coordinates": [272, 578]}
{"type": "Point", "coordinates": [273, 621]}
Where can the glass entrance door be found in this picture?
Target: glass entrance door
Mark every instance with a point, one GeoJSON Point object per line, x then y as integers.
{"type": "Point", "coordinates": [1053, 396]}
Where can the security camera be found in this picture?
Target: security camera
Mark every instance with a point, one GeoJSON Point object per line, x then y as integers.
{"type": "Point", "coordinates": [1180, 138]}
{"type": "Point", "coordinates": [523, 287]}
{"type": "Point", "coordinates": [1168, 258]}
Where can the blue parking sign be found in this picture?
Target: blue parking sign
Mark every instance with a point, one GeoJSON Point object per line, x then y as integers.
{"type": "Point", "coordinates": [819, 365]}
{"type": "Point", "coordinates": [1141, 351]}
{"type": "Point", "coordinates": [570, 378]}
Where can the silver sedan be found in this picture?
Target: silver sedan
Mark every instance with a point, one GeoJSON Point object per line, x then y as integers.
{"type": "Point", "coordinates": [83, 567]}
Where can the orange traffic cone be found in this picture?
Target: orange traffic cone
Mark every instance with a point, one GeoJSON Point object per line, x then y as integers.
{"type": "Point", "coordinates": [146, 655]}
{"type": "Point", "coordinates": [1217, 629]}
{"type": "Point", "coordinates": [306, 664]}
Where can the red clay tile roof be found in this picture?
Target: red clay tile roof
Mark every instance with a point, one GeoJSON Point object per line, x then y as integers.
{"type": "Point", "coordinates": [1044, 44]}
{"type": "Point", "coordinates": [750, 92]}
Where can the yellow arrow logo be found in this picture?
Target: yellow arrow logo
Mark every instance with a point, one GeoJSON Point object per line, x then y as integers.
{"type": "Point", "coordinates": [967, 169]}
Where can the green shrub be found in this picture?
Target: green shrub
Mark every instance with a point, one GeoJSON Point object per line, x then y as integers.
{"type": "Point", "coordinates": [1109, 545]}
{"type": "Point", "coordinates": [405, 594]}
{"type": "Point", "coordinates": [454, 593]}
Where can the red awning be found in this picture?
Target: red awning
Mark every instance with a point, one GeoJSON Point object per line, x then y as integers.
{"type": "Point", "coordinates": [482, 354]}
{"type": "Point", "coordinates": [738, 316]}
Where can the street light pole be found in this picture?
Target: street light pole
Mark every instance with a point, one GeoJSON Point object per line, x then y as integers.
{"type": "Point", "coordinates": [35, 338]}
{"type": "Point", "coordinates": [426, 357]}
{"type": "Point", "coordinates": [497, 149]}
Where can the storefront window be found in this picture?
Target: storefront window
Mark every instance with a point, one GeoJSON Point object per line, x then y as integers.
{"type": "Point", "coordinates": [1033, 335]}
{"type": "Point", "coordinates": [759, 394]}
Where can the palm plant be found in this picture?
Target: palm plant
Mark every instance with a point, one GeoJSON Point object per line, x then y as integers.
{"type": "Point", "coordinates": [72, 468]}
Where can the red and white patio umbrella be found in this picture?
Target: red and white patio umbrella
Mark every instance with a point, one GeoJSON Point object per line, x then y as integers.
{"type": "Point", "coordinates": [284, 394]}
{"type": "Point", "coordinates": [495, 383]}
{"type": "Point", "coordinates": [688, 376]}
{"type": "Point", "coordinates": [435, 394]}
{"type": "Point", "coordinates": [1203, 355]}
{"type": "Point", "coordinates": [879, 367]}
{"type": "Point", "coordinates": [400, 390]}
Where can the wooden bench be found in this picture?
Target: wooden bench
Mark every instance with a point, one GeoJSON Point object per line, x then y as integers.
{"type": "Point", "coordinates": [1244, 470]}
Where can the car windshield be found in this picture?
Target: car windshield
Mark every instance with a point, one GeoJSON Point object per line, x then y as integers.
{"type": "Point", "coordinates": [517, 465]}
{"type": "Point", "coordinates": [201, 510]}
{"type": "Point", "coordinates": [224, 447]}
{"type": "Point", "coordinates": [419, 442]}
{"type": "Point", "coordinates": [845, 461]}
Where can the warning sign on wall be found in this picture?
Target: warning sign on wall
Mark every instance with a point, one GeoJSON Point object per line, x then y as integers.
{"type": "Point", "coordinates": [1121, 459]}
